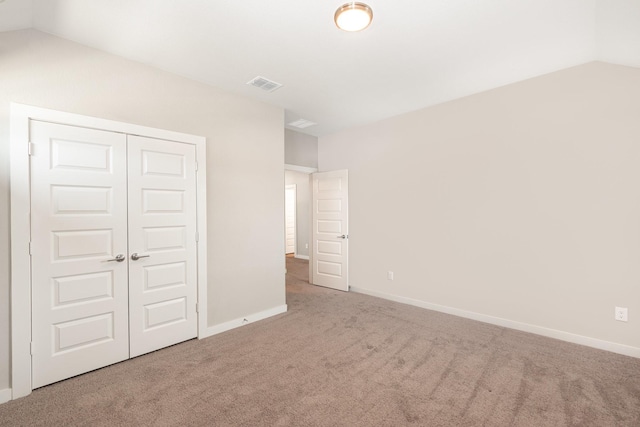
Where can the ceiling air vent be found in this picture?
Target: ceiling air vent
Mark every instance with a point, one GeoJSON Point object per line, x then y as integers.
{"type": "Point", "coordinates": [302, 123]}
{"type": "Point", "coordinates": [264, 84]}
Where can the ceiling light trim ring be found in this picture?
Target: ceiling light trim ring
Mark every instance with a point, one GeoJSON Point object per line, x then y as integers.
{"type": "Point", "coordinates": [353, 16]}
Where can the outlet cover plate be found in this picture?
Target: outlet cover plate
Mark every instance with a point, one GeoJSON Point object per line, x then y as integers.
{"type": "Point", "coordinates": [621, 314]}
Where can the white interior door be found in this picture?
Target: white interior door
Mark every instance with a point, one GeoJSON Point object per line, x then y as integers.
{"type": "Point", "coordinates": [162, 232]}
{"type": "Point", "coordinates": [78, 228]}
{"type": "Point", "coordinates": [290, 218]}
{"type": "Point", "coordinates": [330, 235]}
{"type": "Point", "coordinates": [114, 271]}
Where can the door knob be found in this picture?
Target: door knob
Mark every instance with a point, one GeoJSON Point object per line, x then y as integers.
{"type": "Point", "coordinates": [118, 258]}
{"type": "Point", "coordinates": [135, 256]}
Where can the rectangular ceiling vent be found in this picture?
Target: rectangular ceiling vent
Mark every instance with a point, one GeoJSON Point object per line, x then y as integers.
{"type": "Point", "coordinates": [302, 123]}
{"type": "Point", "coordinates": [264, 84]}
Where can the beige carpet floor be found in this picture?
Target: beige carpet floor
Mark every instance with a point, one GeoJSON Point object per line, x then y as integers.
{"type": "Point", "coordinates": [345, 359]}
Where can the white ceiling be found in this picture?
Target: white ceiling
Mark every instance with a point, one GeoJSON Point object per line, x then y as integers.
{"type": "Point", "coordinates": [416, 53]}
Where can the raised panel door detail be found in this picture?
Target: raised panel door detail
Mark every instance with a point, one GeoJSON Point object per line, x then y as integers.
{"type": "Point", "coordinates": [328, 226]}
{"type": "Point", "coordinates": [159, 163]}
{"type": "Point", "coordinates": [329, 248]}
{"type": "Point", "coordinates": [80, 333]}
{"type": "Point", "coordinates": [330, 268]}
{"type": "Point", "coordinates": [82, 288]}
{"type": "Point", "coordinates": [330, 184]}
{"type": "Point", "coordinates": [80, 155]}
{"type": "Point", "coordinates": [82, 244]}
{"type": "Point", "coordinates": [165, 275]}
{"type": "Point", "coordinates": [162, 201]}
{"type": "Point", "coordinates": [326, 206]}
{"type": "Point", "coordinates": [164, 238]}
{"type": "Point", "coordinates": [77, 200]}
{"type": "Point", "coordinates": [165, 312]}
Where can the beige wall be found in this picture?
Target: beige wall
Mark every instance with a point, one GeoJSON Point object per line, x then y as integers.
{"type": "Point", "coordinates": [300, 149]}
{"type": "Point", "coordinates": [521, 203]}
{"type": "Point", "coordinates": [245, 142]}
{"type": "Point", "coordinates": [303, 209]}
{"type": "Point", "coordinates": [617, 33]}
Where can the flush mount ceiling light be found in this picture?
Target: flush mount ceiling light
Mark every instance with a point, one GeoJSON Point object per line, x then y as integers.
{"type": "Point", "coordinates": [353, 16]}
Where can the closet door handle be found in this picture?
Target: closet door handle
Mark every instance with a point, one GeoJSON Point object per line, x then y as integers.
{"type": "Point", "coordinates": [135, 256]}
{"type": "Point", "coordinates": [118, 258]}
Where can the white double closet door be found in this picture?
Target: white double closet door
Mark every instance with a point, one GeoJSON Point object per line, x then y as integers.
{"type": "Point", "coordinates": [113, 246]}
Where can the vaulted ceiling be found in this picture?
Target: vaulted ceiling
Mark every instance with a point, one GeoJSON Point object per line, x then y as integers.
{"type": "Point", "coordinates": [416, 53]}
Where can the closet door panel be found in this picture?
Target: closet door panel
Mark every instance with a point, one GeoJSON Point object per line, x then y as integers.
{"type": "Point", "coordinates": [162, 232]}
{"type": "Point", "coordinates": [79, 225]}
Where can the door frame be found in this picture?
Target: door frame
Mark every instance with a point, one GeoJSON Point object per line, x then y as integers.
{"type": "Point", "coordinates": [20, 285]}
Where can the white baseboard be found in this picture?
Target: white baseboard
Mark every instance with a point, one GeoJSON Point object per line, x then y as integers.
{"type": "Point", "coordinates": [5, 395]}
{"type": "Point", "coordinates": [301, 257]}
{"type": "Point", "coordinates": [512, 324]}
{"type": "Point", "coordinates": [236, 323]}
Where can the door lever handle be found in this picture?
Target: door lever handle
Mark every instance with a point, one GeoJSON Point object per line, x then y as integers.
{"type": "Point", "coordinates": [344, 236]}
{"type": "Point", "coordinates": [135, 256]}
{"type": "Point", "coordinates": [118, 258]}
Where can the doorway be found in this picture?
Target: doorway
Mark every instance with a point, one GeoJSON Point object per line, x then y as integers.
{"type": "Point", "coordinates": [297, 182]}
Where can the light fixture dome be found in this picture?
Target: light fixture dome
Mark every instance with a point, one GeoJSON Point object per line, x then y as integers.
{"type": "Point", "coordinates": [353, 16]}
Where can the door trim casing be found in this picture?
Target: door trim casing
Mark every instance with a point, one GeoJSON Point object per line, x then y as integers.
{"type": "Point", "coordinates": [20, 286]}
{"type": "Point", "coordinates": [296, 168]}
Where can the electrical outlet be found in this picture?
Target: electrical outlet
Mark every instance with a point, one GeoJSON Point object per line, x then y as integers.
{"type": "Point", "coordinates": [621, 314]}
{"type": "Point", "coordinates": [390, 275]}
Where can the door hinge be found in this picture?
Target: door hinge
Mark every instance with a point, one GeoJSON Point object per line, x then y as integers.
{"type": "Point", "coordinates": [30, 148]}
{"type": "Point", "coordinates": [197, 236]}
{"type": "Point", "coordinates": [31, 348]}
{"type": "Point", "coordinates": [197, 308]}
{"type": "Point", "coordinates": [30, 249]}
{"type": "Point", "coordinates": [196, 166]}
